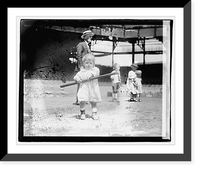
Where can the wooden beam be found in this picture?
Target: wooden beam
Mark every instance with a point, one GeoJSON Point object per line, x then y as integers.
{"type": "Point", "coordinates": [136, 52]}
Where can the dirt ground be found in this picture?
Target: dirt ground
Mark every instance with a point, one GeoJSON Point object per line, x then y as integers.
{"type": "Point", "coordinates": [49, 111]}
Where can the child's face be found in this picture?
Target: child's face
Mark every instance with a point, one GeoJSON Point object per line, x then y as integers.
{"type": "Point", "coordinates": [88, 64]}
{"type": "Point", "coordinates": [116, 68]}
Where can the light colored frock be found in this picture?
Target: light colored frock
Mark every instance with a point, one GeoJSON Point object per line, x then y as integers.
{"type": "Point", "coordinates": [131, 78]}
{"type": "Point", "coordinates": [116, 78]}
{"type": "Point", "coordinates": [88, 91]}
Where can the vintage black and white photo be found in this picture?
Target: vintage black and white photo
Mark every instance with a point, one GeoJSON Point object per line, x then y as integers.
{"type": "Point", "coordinates": [95, 77]}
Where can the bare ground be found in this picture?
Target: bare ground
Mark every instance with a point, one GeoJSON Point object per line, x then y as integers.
{"type": "Point", "coordinates": [49, 111]}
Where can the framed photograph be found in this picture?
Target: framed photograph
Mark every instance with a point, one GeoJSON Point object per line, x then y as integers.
{"type": "Point", "coordinates": [99, 86]}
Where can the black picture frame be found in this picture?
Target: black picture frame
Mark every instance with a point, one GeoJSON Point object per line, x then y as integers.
{"type": "Point", "coordinates": [186, 156]}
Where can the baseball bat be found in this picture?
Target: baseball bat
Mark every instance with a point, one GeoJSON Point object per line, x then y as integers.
{"type": "Point", "coordinates": [92, 78]}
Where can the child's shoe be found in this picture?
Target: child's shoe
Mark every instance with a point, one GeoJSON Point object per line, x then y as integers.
{"type": "Point", "coordinates": [133, 100]}
{"type": "Point", "coordinates": [94, 116]}
{"type": "Point", "coordinates": [113, 100]}
{"type": "Point", "coordinates": [82, 115]}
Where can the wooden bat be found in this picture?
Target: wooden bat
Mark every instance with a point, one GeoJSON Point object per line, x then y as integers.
{"type": "Point", "coordinates": [92, 78]}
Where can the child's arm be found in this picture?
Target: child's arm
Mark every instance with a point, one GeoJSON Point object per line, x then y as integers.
{"type": "Point", "coordinates": [78, 78]}
{"type": "Point", "coordinates": [94, 72]}
{"type": "Point", "coordinates": [135, 82]}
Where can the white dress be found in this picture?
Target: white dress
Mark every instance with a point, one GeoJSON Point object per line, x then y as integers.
{"type": "Point", "coordinates": [130, 80]}
{"type": "Point", "coordinates": [88, 91]}
{"type": "Point", "coordinates": [116, 78]}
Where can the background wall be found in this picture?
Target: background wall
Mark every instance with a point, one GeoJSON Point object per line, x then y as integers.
{"type": "Point", "coordinates": [45, 55]}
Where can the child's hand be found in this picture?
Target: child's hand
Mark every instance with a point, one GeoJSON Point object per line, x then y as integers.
{"type": "Point", "coordinates": [131, 80]}
{"type": "Point", "coordinates": [90, 76]}
{"type": "Point", "coordinates": [79, 80]}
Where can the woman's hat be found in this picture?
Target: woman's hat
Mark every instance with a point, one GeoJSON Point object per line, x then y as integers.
{"type": "Point", "coordinates": [134, 65]}
{"type": "Point", "coordinates": [87, 33]}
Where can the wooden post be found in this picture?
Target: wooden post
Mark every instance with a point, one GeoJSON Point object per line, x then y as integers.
{"type": "Point", "coordinates": [144, 62]}
{"type": "Point", "coordinates": [114, 45]}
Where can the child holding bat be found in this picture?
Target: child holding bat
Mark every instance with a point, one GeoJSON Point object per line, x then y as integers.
{"type": "Point", "coordinates": [83, 48]}
{"type": "Point", "coordinates": [89, 91]}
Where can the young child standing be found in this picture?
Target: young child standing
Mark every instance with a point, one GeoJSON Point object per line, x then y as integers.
{"type": "Point", "coordinates": [88, 91]}
{"type": "Point", "coordinates": [116, 81]}
{"type": "Point", "coordinates": [131, 82]}
{"type": "Point", "coordinates": [138, 82]}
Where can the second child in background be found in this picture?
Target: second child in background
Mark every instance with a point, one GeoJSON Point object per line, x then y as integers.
{"type": "Point", "coordinates": [116, 81]}
{"type": "Point", "coordinates": [138, 82]}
